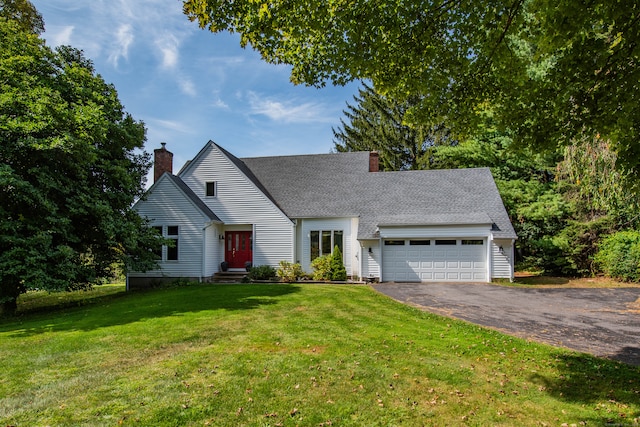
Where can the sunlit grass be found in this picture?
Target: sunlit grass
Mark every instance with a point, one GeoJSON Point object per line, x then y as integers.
{"type": "Point", "coordinates": [268, 355]}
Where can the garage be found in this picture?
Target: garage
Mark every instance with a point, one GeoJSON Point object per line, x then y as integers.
{"type": "Point", "coordinates": [441, 260]}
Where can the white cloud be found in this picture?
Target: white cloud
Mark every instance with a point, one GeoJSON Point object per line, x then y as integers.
{"type": "Point", "coordinates": [121, 43]}
{"type": "Point", "coordinates": [168, 45]}
{"type": "Point", "coordinates": [59, 35]}
{"type": "Point", "coordinates": [187, 86]}
{"type": "Point", "coordinates": [288, 111]}
{"type": "Point", "coordinates": [171, 125]}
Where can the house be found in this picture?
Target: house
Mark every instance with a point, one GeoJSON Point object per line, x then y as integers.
{"type": "Point", "coordinates": [408, 226]}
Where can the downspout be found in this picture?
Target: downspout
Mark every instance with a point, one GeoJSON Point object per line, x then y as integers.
{"type": "Point", "coordinates": [381, 258]}
{"type": "Point", "coordinates": [294, 246]}
{"type": "Point", "coordinates": [490, 257]}
{"type": "Point", "coordinates": [512, 261]}
{"type": "Point", "coordinates": [360, 265]}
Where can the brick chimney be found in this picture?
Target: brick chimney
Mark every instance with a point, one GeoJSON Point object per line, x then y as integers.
{"type": "Point", "coordinates": [162, 161]}
{"type": "Point", "coordinates": [373, 161]}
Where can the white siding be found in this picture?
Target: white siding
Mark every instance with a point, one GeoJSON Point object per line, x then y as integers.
{"type": "Point", "coordinates": [344, 224]}
{"type": "Point", "coordinates": [502, 263]}
{"type": "Point", "coordinates": [239, 201]}
{"type": "Point", "coordinates": [166, 205]}
{"type": "Point", "coordinates": [371, 260]}
{"type": "Point", "coordinates": [214, 248]}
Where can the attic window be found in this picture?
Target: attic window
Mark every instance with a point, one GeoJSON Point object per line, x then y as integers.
{"type": "Point", "coordinates": [211, 189]}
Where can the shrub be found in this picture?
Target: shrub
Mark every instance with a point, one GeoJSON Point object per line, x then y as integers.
{"type": "Point", "coordinates": [261, 272]}
{"type": "Point", "coordinates": [338, 272]}
{"type": "Point", "coordinates": [619, 256]}
{"type": "Point", "coordinates": [289, 272]}
{"type": "Point", "coordinates": [322, 268]}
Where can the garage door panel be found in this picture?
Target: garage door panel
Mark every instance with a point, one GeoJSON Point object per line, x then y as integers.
{"type": "Point", "coordinates": [413, 262]}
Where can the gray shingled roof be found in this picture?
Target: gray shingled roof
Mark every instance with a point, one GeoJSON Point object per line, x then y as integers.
{"type": "Point", "coordinates": [340, 185]}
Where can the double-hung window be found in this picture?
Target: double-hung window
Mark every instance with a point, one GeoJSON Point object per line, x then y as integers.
{"type": "Point", "coordinates": [172, 251]}
{"type": "Point", "coordinates": [322, 242]}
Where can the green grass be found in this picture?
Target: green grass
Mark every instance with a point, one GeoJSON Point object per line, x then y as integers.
{"type": "Point", "coordinates": [289, 355]}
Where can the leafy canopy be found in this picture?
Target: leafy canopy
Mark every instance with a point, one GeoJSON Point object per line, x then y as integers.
{"type": "Point", "coordinates": [553, 70]}
{"type": "Point", "coordinates": [71, 166]}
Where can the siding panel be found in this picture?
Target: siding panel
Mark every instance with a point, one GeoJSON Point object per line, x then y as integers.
{"type": "Point", "coordinates": [239, 202]}
{"type": "Point", "coordinates": [165, 206]}
{"type": "Point", "coordinates": [502, 263]}
{"type": "Point", "coordinates": [344, 224]}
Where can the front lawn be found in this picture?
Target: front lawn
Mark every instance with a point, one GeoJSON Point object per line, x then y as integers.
{"type": "Point", "coordinates": [288, 355]}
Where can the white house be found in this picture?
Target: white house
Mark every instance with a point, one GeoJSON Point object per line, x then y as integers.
{"type": "Point", "coordinates": [408, 226]}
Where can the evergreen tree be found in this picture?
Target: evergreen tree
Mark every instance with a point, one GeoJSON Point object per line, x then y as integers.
{"type": "Point", "coordinates": [338, 271]}
{"type": "Point", "coordinates": [376, 123]}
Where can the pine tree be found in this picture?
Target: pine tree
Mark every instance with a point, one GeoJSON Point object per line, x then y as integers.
{"type": "Point", "coordinates": [376, 123]}
{"type": "Point", "coordinates": [338, 272]}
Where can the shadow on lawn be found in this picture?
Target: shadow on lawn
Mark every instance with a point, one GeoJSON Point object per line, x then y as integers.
{"type": "Point", "coordinates": [611, 386]}
{"type": "Point", "coordinates": [138, 306]}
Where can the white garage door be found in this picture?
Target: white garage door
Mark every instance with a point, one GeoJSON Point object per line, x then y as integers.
{"type": "Point", "coordinates": [441, 260]}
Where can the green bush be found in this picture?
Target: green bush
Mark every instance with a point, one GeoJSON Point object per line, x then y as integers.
{"type": "Point", "coordinates": [322, 267]}
{"type": "Point", "coordinates": [329, 267]}
{"type": "Point", "coordinates": [289, 272]}
{"type": "Point", "coordinates": [619, 256]}
{"type": "Point", "coordinates": [338, 272]}
{"type": "Point", "coordinates": [261, 272]}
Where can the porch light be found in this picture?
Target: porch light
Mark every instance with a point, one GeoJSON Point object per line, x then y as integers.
{"type": "Point", "coordinates": [220, 237]}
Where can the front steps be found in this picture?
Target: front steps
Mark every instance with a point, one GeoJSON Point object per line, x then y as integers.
{"type": "Point", "coordinates": [229, 277]}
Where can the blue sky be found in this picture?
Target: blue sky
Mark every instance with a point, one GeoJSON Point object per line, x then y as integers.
{"type": "Point", "coordinates": [190, 85]}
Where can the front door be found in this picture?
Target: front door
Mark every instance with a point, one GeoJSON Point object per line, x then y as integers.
{"type": "Point", "coordinates": [238, 246]}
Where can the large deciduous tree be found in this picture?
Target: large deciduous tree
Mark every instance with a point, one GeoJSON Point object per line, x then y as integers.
{"type": "Point", "coordinates": [376, 123]}
{"type": "Point", "coordinates": [552, 70]}
{"type": "Point", "coordinates": [71, 166]}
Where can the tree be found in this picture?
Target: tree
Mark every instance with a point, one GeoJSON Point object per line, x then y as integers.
{"type": "Point", "coordinates": [70, 169]}
{"type": "Point", "coordinates": [376, 123]}
{"type": "Point", "coordinates": [338, 271]}
{"type": "Point", "coordinates": [553, 71]}
{"type": "Point", "coordinates": [23, 13]}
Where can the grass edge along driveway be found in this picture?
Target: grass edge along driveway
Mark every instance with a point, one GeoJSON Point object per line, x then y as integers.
{"type": "Point", "coordinates": [285, 355]}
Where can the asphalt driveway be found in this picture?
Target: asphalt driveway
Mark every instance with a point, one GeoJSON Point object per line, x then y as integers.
{"type": "Point", "coordinates": [603, 322]}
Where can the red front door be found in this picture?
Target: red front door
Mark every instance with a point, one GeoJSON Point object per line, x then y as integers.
{"type": "Point", "coordinates": [238, 250]}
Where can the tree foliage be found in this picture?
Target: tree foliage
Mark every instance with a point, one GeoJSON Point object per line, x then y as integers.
{"type": "Point", "coordinates": [70, 169]}
{"type": "Point", "coordinates": [552, 70]}
{"type": "Point", "coordinates": [376, 123]}
{"type": "Point", "coordinates": [24, 13]}
{"type": "Point", "coordinates": [619, 255]}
